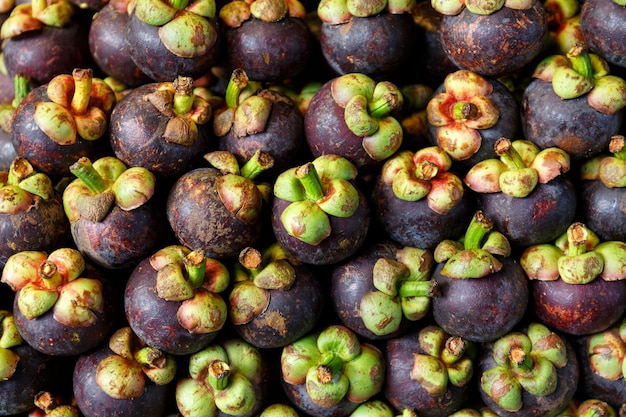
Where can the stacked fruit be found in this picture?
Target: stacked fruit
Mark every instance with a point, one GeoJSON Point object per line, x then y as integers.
{"type": "Point", "coordinates": [334, 208]}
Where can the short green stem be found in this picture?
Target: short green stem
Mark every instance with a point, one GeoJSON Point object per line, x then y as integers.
{"type": "Point", "coordinates": [21, 87]}
{"type": "Point", "coordinates": [477, 229]}
{"type": "Point", "coordinates": [218, 375]}
{"type": "Point", "coordinates": [238, 81]}
{"type": "Point", "coordinates": [579, 58]}
{"type": "Point", "coordinates": [183, 95]}
{"type": "Point", "coordinates": [82, 90]}
{"type": "Point", "coordinates": [179, 4]}
{"type": "Point", "coordinates": [426, 170]}
{"type": "Point", "coordinates": [382, 106]}
{"type": "Point", "coordinates": [520, 359]}
{"type": "Point", "coordinates": [307, 174]}
{"type": "Point", "coordinates": [84, 170]}
{"type": "Point", "coordinates": [50, 275]}
{"type": "Point", "coordinates": [330, 364]}
{"type": "Point", "coordinates": [195, 265]}
{"type": "Point", "coordinates": [617, 146]}
{"type": "Point", "coordinates": [463, 110]}
{"type": "Point", "coordinates": [577, 236]}
{"type": "Point", "coordinates": [508, 154]}
{"type": "Point", "coordinates": [417, 288]}
{"type": "Point", "coordinates": [454, 349]}
{"type": "Point", "coordinates": [259, 162]}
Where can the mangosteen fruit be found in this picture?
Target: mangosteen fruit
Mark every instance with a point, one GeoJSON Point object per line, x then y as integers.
{"type": "Point", "coordinates": [482, 292]}
{"type": "Point", "coordinates": [162, 126]}
{"type": "Point", "coordinates": [268, 39]}
{"type": "Point", "coordinates": [529, 372]}
{"type": "Point", "coordinates": [63, 306]}
{"type": "Point", "coordinates": [600, 23]}
{"type": "Point", "coordinates": [419, 201]}
{"type": "Point", "coordinates": [353, 116]}
{"type": "Point", "coordinates": [578, 284]}
{"type": "Point", "coordinates": [319, 213]}
{"type": "Point", "coordinates": [275, 300]}
{"type": "Point", "coordinates": [123, 378]}
{"type": "Point", "coordinates": [574, 103]}
{"type": "Point", "coordinates": [525, 191]}
{"type": "Point", "coordinates": [172, 300]}
{"type": "Point", "coordinates": [429, 371]}
{"type": "Point", "coordinates": [383, 290]}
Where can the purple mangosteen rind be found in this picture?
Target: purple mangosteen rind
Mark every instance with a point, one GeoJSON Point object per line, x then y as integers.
{"type": "Point", "coordinates": [600, 27]}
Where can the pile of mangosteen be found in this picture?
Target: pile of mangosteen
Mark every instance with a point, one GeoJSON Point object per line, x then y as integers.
{"type": "Point", "coordinates": [333, 208]}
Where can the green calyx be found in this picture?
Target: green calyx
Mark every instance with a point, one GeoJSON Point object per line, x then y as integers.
{"type": "Point", "coordinates": [185, 27]}
{"type": "Point", "coordinates": [403, 289]}
{"type": "Point", "coordinates": [520, 167]}
{"type": "Point", "coordinates": [367, 106]}
{"type": "Point", "coordinates": [194, 280]}
{"type": "Point", "coordinates": [475, 257]}
{"type": "Point", "coordinates": [317, 190]}
{"type": "Point", "coordinates": [342, 11]}
{"type": "Point", "coordinates": [334, 365]}
{"type": "Point", "coordinates": [606, 352]}
{"type": "Point", "coordinates": [524, 362]}
{"type": "Point", "coordinates": [579, 73]}
{"type": "Point", "coordinates": [21, 186]}
{"type": "Point", "coordinates": [222, 378]}
{"type": "Point", "coordinates": [101, 184]}
{"type": "Point", "coordinates": [256, 275]}
{"type": "Point", "coordinates": [234, 13]}
{"type": "Point", "coordinates": [9, 337]}
{"type": "Point", "coordinates": [34, 15]}
{"type": "Point", "coordinates": [610, 169]}
{"type": "Point", "coordinates": [445, 361]}
{"type": "Point", "coordinates": [125, 373]}
{"type": "Point", "coordinates": [424, 174]}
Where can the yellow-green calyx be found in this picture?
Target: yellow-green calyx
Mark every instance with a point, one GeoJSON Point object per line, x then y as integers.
{"type": "Point", "coordinates": [577, 257]}
{"type": "Point", "coordinates": [236, 12]}
{"type": "Point", "coordinates": [255, 275]}
{"type": "Point", "coordinates": [22, 186]}
{"type": "Point", "coordinates": [460, 111]}
{"type": "Point", "coordinates": [403, 290]}
{"type": "Point", "coordinates": [79, 107]}
{"type": "Point", "coordinates": [334, 366]}
{"type": "Point", "coordinates": [367, 106]}
{"type": "Point", "coordinates": [474, 257]}
{"type": "Point", "coordinates": [106, 182]}
{"type": "Point", "coordinates": [424, 174]}
{"type": "Point", "coordinates": [185, 27]}
{"type": "Point", "coordinates": [54, 282]}
{"type": "Point", "coordinates": [222, 378]}
{"type": "Point", "coordinates": [125, 373]}
{"type": "Point", "coordinates": [480, 7]}
{"type": "Point", "coordinates": [610, 169]}
{"type": "Point", "coordinates": [525, 362]}
{"type": "Point", "coordinates": [34, 15]}
{"type": "Point", "coordinates": [581, 73]}
{"type": "Point", "coordinates": [336, 12]}
{"type": "Point", "coordinates": [317, 190]}
{"type": "Point", "coordinates": [446, 360]}
{"type": "Point", "coordinates": [607, 352]}
{"type": "Point", "coordinates": [9, 337]}
{"type": "Point", "coordinates": [520, 167]}
{"type": "Point", "coordinates": [194, 280]}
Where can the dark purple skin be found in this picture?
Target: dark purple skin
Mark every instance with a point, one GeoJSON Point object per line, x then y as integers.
{"type": "Point", "coordinates": [593, 385]}
{"type": "Point", "coordinates": [481, 309]}
{"type": "Point", "coordinates": [157, 62]}
{"type": "Point", "coordinates": [496, 44]}
{"type": "Point", "coordinates": [154, 320]}
{"type": "Point", "coordinates": [602, 27]}
{"type": "Point", "coordinates": [282, 137]}
{"type": "Point", "coordinates": [326, 132]}
{"type": "Point", "coordinates": [540, 217]}
{"type": "Point", "coordinates": [347, 235]}
{"type": "Point", "coordinates": [34, 373]}
{"type": "Point", "coordinates": [298, 396]}
{"type": "Point", "coordinates": [507, 125]}
{"type": "Point", "coordinates": [43, 153]}
{"type": "Point", "coordinates": [603, 209]}
{"type": "Point", "coordinates": [403, 392]}
{"type": "Point", "coordinates": [107, 43]}
{"type": "Point", "coordinates": [579, 309]}
{"type": "Point", "coordinates": [269, 51]}
{"type": "Point", "coordinates": [50, 337]}
{"type": "Point", "coordinates": [572, 125]}
{"type": "Point", "coordinates": [200, 220]}
{"type": "Point", "coordinates": [374, 45]}
{"type": "Point", "coordinates": [112, 243]}
{"type": "Point", "coordinates": [42, 55]}
{"type": "Point", "coordinates": [137, 129]}
{"type": "Point", "coordinates": [7, 150]}
{"type": "Point", "coordinates": [352, 279]}
{"type": "Point", "coordinates": [537, 406]}
{"type": "Point", "coordinates": [413, 223]}
{"type": "Point", "coordinates": [290, 315]}
{"type": "Point", "coordinates": [93, 402]}
{"type": "Point", "coordinates": [43, 228]}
